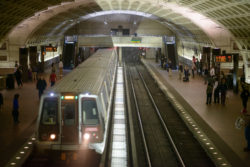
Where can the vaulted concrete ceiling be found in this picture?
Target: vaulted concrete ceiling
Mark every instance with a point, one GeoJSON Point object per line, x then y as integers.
{"type": "Point", "coordinates": [204, 21]}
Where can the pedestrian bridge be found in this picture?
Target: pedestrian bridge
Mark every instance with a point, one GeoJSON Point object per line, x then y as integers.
{"type": "Point", "coordinates": [130, 41]}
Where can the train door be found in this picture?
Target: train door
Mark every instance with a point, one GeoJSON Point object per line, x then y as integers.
{"type": "Point", "coordinates": [69, 131]}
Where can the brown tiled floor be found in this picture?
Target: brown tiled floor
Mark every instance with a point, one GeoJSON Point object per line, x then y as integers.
{"type": "Point", "coordinates": [13, 136]}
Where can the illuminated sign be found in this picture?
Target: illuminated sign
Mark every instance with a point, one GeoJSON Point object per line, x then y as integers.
{"type": "Point", "coordinates": [69, 97]}
{"type": "Point", "coordinates": [136, 40]}
{"type": "Point", "coordinates": [223, 58]}
{"type": "Point", "coordinates": [50, 49]}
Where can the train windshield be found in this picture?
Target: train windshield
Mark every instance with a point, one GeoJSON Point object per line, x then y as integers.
{"type": "Point", "coordinates": [49, 111]}
{"type": "Point", "coordinates": [89, 112]}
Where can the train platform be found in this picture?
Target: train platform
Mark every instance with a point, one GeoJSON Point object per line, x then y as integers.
{"type": "Point", "coordinates": [13, 136]}
{"type": "Point", "coordinates": [216, 120]}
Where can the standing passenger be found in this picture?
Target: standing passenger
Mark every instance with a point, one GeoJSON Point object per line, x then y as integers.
{"type": "Point", "coordinates": [18, 75]}
{"type": "Point", "coordinates": [16, 66]}
{"type": "Point", "coordinates": [247, 131]}
{"type": "Point", "coordinates": [209, 93]}
{"type": "Point", "coordinates": [180, 71]}
{"type": "Point", "coordinates": [34, 72]}
{"type": "Point", "coordinates": [223, 89]}
{"type": "Point", "coordinates": [212, 72]}
{"type": "Point", "coordinates": [186, 74]}
{"type": "Point", "coordinates": [15, 112]}
{"type": "Point", "coordinates": [206, 74]}
{"type": "Point", "coordinates": [53, 68]}
{"type": "Point", "coordinates": [52, 78]}
{"type": "Point", "coordinates": [41, 86]}
{"type": "Point", "coordinates": [244, 97]}
{"type": "Point", "coordinates": [217, 94]}
{"type": "Point", "coordinates": [193, 69]}
{"type": "Point", "coordinates": [60, 69]}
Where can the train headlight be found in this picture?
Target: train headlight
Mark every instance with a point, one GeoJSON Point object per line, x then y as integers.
{"type": "Point", "coordinates": [52, 136]}
{"type": "Point", "coordinates": [86, 136]}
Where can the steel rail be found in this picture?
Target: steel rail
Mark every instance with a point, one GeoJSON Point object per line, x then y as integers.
{"type": "Point", "coordinates": [162, 121]}
{"type": "Point", "coordinates": [140, 122]}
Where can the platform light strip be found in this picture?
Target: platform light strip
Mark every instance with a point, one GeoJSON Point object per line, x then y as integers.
{"type": "Point", "coordinates": [21, 155]}
{"type": "Point", "coordinates": [119, 145]}
{"type": "Point", "coordinates": [206, 141]}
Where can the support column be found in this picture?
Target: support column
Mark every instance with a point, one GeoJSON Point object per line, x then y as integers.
{"type": "Point", "coordinates": [23, 62]}
{"type": "Point", "coordinates": [33, 55]}
{"type": "Point", "coordinates": [164, 47]}
{"type": "Point", "coordinates": [235, 74]}
{"type": "Point", "coordinates": [41, 64]}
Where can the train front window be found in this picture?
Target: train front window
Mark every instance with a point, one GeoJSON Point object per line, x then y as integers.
{"type": "Point", "coordinates": [49, 111]}
{"type": "Point", "coordinates": [89, 112]}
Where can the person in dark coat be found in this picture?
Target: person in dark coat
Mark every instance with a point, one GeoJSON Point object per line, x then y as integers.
{"type": "Point", "coordinates": [217, 94]}
{"type": "Point", "coordinates": [209, 93]}
{"type": "Point", "coordinates": [246, 118]}
{"type": "Point", "coordinates": [223, 90]}
{"type": "Point", "coordinates": [15, 112]}
{"type": "Point", "coordinates": [41, 85]}
{"type": "Point", "coordinates": [244, 97]}
{"type": "Point", "coordinates": [18, 75]}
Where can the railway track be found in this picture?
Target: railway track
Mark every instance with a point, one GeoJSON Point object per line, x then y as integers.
{"type": "Point", "coordinates": [165, 140]}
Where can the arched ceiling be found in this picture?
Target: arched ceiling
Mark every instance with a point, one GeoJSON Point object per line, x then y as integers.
{"type": "Point", "coordinates": [205, 21]}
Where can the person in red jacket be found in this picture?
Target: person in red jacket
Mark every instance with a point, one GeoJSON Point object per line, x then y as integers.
{"type": "Point", "coordinates": [52, 78]}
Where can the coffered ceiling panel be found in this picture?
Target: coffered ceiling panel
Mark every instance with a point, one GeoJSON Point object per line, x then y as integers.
{"type": "Point", "coordinates": [230, 15]}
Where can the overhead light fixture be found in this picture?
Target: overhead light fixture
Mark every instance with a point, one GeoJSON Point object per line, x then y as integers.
{"type": "Point", "coordinates": [105, 22]}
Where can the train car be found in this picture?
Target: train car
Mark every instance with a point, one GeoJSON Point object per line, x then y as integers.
{"type": "Point", "coordinates": [73, 114]}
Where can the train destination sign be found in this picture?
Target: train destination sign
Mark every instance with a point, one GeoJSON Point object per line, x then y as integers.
{"type": "Point", "coordinates": [50, 49]}
{"type": "Point", "coordinates": [223, 58]}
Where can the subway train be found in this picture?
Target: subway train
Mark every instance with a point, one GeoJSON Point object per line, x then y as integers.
{"type": "Point", "coordinates": [73, 114]}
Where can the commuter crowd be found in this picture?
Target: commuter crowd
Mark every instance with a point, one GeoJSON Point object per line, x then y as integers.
{"type": "Point", "coordinates": [217, 85]}
{"type": "Point", "coordinates": [34, 75]}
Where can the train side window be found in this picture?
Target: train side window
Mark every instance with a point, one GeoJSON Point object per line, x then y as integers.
{"type": "Point", "coordinates": [69, 113]}
{"type": "Point", "coordinates": [105, 96]}
{"type": "Point", "coordinates": [89, 112]}
{"type": "Point", "coordinates": [49, 111]}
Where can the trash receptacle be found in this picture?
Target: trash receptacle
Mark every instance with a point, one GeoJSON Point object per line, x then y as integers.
{"type": "Point", "coordinates": [10, 81]}
{"type": "Point", "coordinates": [2, 82]}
